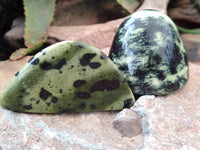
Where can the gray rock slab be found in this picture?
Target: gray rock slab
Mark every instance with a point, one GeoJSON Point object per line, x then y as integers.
{"type": "Point", "coordinates": [173, 121]}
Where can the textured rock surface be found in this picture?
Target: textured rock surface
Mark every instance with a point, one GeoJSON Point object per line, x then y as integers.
{"type": "Point", "coordinates": [68, 131]}
{"type": "Point", "coordinates": [172, 122]}
{"type": "Point", "coordinates": [127, 122]}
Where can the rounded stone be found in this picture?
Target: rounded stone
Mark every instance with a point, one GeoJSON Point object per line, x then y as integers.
{"type": "Point", "coordinates": [149, 52]}
{"type": "Point", "coordinates": [127, 122]}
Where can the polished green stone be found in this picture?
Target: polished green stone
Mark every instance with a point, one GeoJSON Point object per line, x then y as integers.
{"type": "Point", "coordinates": [148, 50]}
{"type": "Point", "coordinates": [67, 77]}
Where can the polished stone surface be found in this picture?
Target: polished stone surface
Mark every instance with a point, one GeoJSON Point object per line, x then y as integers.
{"type": "Point", "coordinates": [148, 50]}
{"type": "Point", "coordinates": [67, 77]}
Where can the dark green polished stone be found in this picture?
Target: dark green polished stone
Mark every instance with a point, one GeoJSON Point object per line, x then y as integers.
{"type": "Point", "coordinates": [68, 77]}
{"type": "Point", "coordinates": [148, 50]}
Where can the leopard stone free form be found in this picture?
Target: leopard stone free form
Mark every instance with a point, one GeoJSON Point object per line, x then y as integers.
{"type": "Point", "coordinates": [149, 52]}
{"type": "Point", "coordinates": [67, 77]}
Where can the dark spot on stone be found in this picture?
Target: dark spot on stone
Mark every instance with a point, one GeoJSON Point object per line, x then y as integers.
{"type": "Point", "coordinates": [48, 104]}
{"type": "Point", "coordinates": [127, 103]}
{"type": "Point", "coordinates": [44, 94]}
{"type": "Point", "coordinates": [157, 58]}
{"type": "Point", "coordinates": [186, 60]}
{"type": "Point", "coordinates": [124, 67]}
{"type": "Point", "coordinates": [61, 91]}
{"type": "Point", "coordinates": [43, 53]}
{"type": "Point", "coordinates": [17, 73]}
{"type": "Point", "coordinates": [150, 65]}
{"type": "Point", "coordinates": [32, 99]}
{"type": "Point", "coordinates": [79, 73]}
{"type": "Point", "coordinates": [46, 66]}
{"type": "Point", "coordinates": [82, 106]}
{"type": "Point", "coordinates": [78, 83]}
{"type": "Point", "coordinates": [103, 56]}
{"type": "Point", "coordinates": [20, 96]}
{"type": "Point", "coordinates": [72, 66]}
{"type": "Point", "coordinates": [161, 75]}
{"type": "Point", "coordinates": [94, 65]}
{"type": "Point", "coordinates": [83, 95]}
{"type": "Point", "coordinates": [60, 71]}
{"type": "Point", "coordinates": [172, 86]}
{"type": "Point", "coordinates": [105, 85]}
{"type": "Point", "coordinates": [60, 64]}
{"type": "Point", "coordinates": [80, 46]}
{"type": "Point", "coordinates": [85, 60]}
{"type": "Point", "coordinates": [84, 69]}
{"type": "Point", "coordinates": [52, 57]}
{"type": "Point", "coordinates": [145, 88]}
{"type": "Point", "coordinates": [34, 61]}
{"type": "Point", "coordinates": [173, 57]}
{"type": "Point", "coordinates": [141, 74]}
{"type": "Point", "coordinates": [178, 38]}
{"type": "Point", "coordinates": [173, 69]}
{"type": "Point", "coordinates": [92, 106]}
{"type": "Point", "coordinates": [38, 101]}
{"type": "Point", "coordinates": [54, 99]}
{"type": "Point", "coordinates": [176, 53]}
{"type": "Point", "coordinates": [29, 107]}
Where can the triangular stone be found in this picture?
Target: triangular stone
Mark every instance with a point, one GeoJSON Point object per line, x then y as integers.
{"type": "Point", "coordinates": [67, 77]}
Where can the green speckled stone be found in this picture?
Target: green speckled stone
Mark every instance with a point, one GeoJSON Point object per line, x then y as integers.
{"type": "Point", "coordinates": [67, 77]}
{"type": "Point", "coordinates": [148, 50]}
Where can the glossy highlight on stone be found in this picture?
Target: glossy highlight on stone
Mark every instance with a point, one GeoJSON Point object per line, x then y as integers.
{"type": "Point", "coordinates": [149, 52]}
{"type": "Point", "coordinates": [67, 77]}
